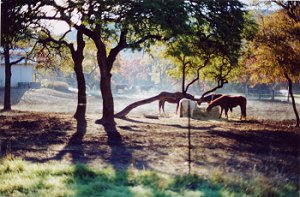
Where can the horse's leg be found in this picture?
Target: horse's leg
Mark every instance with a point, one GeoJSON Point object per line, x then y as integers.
{"type": "Point", "coordinates": [159, 106]}
{"type": "Point", "coordinates": [226, 112]}
{"type": "Point", "coordinates": [221, 112]}
{"type": "Point", "coordinates": [163, 106]}
{"type": "Point", "coordinates": [177, 106]}
{"type": "Point", "coordinates": [243, 112]}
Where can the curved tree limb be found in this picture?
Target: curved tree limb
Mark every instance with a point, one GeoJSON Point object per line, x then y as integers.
{"type": "Point", "coordinates": [130, 107]}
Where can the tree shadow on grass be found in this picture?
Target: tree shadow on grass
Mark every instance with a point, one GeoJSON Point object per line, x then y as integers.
{"type": "Point", "coordinates": [119, 152]}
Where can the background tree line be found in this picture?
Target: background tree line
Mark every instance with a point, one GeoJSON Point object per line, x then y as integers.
{"type": "Point", "coordinates": [198, 40]}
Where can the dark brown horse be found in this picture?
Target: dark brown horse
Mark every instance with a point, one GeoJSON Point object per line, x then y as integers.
{"type": "Point", "coordinates": [227, 102]}
{"type": "Point", "coordinates": [173, 98]}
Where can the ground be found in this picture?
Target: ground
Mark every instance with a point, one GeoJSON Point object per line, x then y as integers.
{"type": "Point", "coordinates": [265, 144]}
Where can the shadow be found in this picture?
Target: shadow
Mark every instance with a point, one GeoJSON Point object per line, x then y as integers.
{"type": "Point", "coordinates": [31, 134]}
{"type": "Point", "coordinates": [271, 152]}
{"type": "Point", "coordinates": [75, 145]}
{"type": "Point", "coordinates": [129, 128]}
{"type": "Point", "coordinates": [120, 157]}
{"type": "Point", "coordinates": [74, 149]}
{"type": "Point", "coordinates": [160, 124]}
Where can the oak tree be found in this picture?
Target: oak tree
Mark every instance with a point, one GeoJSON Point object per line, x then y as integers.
{"type": "Point", "coordinates": [275, 52]}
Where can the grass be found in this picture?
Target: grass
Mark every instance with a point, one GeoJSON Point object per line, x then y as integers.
{"type": "Point", "coordinates": [19, 178]}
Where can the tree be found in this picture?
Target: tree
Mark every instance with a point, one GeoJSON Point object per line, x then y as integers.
{"type": "Point", "coordinates": [17, 22]}
{"type": "Point", "coordinates": [212, 41]}
{"type": "Point", "coordinates": [275, 52]}
{"type": "Point", "coordinates": [134, 71]}
{"type": "Point", "coordinates": [77, 56]}
{"type": "Point", "coordinates": [211, 48]}
{"type": "Point", "coordinates": [292, 8]}
{"type": "Point", "coordinates": [116, 25]}
{"type": "Point", "coordinates": [159, 69]}
{"type": "Point", "coordinates": [52, 61]}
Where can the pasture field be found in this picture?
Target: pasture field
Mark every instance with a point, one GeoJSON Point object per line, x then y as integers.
{"type": "Point", "coordinates": [48, 153]}
{"type": "Point", "coordinates": [147, 156]}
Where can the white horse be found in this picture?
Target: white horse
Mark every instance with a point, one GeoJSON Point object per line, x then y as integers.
{"type": "Point", "coordinates": [184, 106]}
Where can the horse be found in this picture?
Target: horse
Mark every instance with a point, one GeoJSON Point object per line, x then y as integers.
{"type": "Point", "coordinates": [173, 98]}
{"type": "Point", "coordinates": [184, 107]}
{"type": "Point", "coordinates": [227, 102]}
{"type": "Point", "coordinates": [121, 87]}
{"type": "Point", "coordinates": [209, 98]}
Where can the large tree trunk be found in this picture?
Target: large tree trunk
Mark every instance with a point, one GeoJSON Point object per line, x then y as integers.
{"type": "Point", "coordinates": [290, 83]}
{"type": "Point", "coordinates": [7, 101]}
{"type": "Point", "coordinates": [81, 96]}
{"type": "Point", "coordinates": [78, 59]}
{"type": "Point", "coordinates": [108, 102]}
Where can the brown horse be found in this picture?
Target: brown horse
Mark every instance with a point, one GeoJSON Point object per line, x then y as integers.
{"type": "Point", "coordinates": [227, 102]}
{"type": "Point", "coordinates": [173, 98]}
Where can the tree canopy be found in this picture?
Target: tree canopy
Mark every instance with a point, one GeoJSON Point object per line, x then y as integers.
{"type": "Point", "coordinates": [275, 49]}
{"type": "Point", "coordinates": [211, 46]}
{"type": "Point", "coordinates": [274, 52]}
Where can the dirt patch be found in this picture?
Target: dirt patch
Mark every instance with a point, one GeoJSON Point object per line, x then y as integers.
{"type": "Point", "coordinates": [267, 147]}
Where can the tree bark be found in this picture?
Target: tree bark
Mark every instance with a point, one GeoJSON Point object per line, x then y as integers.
{"type": "Point", "coordinates": [130, 107]}
{"type": "Point", "coordinates": [290, 83]}
{"type": "Point", "coordinates": [7, 100]}
{"type": "Point", "coordinates": [81, 95]}
{"type": "Point", "coordinates": [183, 78]}
{"type": "Point", "coordinates": [108, 102]}
{"type": "Point", "coordinates": [78, 57]}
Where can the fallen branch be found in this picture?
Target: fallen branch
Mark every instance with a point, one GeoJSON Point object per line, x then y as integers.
{"type": "Point", "coordinates": [161, 95]}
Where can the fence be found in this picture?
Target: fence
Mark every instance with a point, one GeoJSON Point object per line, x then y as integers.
{"type": "Point", "coordinates": [274, 95]}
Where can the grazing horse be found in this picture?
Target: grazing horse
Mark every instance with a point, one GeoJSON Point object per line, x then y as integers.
{"type": "Point", "coordinates": [209, 98]}
{"type": "Point", "coordinates": [184, 107]}
{"type": "Point", "coordinates": [173, 98]}
{"type": "Point", "coordinates": [228, 102]}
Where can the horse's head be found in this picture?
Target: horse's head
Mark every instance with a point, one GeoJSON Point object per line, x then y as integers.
{"type": "Point", "coordinates": [209, 108]}
{"type": "Point", "coordinates": [199, 101]}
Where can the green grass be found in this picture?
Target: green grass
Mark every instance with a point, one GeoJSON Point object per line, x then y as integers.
{"type": "Point", "coordinates": [19, 178]}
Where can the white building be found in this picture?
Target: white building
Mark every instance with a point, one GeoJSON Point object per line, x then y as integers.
{"type": "Point", "coordinates": [21, 72]}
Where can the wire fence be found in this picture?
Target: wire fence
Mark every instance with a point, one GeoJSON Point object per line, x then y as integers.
{"type": "Point", "coordinates": [273, 95]}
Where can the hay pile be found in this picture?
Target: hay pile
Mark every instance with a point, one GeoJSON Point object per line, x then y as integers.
{"type": "Point", "coordinates": [201, 113]}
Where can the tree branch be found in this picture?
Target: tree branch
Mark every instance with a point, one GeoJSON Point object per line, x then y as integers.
{"type": "Point", "coordinates": [142, 40]}
{"type": "Point", "coordinates": [121, 45]}
{"type": "Point", "coordinates": [17, 61]}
